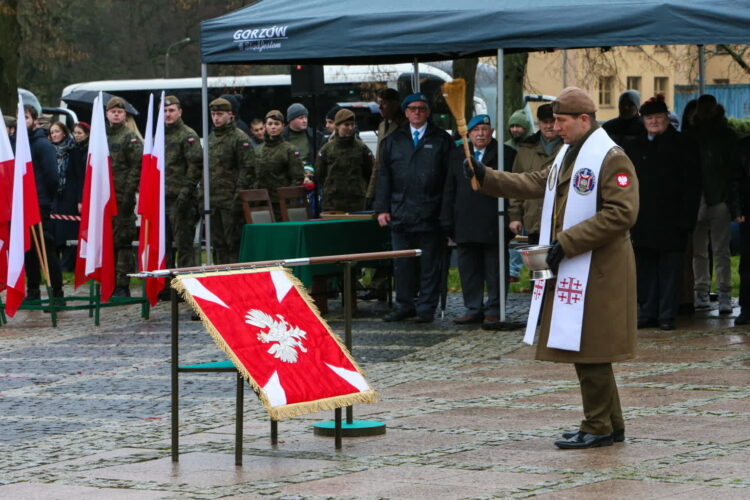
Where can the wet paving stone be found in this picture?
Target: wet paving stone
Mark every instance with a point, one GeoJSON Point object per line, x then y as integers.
{"type": "Point", "coordinates": [85, 412]}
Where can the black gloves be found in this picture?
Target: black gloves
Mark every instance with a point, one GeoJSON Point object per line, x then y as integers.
{"type": "Point", "coordinates": [555, 255]}
{"type": "Point", "coordinates": [479, 169]}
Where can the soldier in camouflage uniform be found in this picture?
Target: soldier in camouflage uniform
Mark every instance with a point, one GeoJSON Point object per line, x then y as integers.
{"type": "Point", "coordinates": [184, 164]}
{"type": "Point", "coordinates": [231, 160]}
{"type": "Point", "coordinates": [278, 163]}
{"type": "Point", "coordinates": [344, 166]}
{"type": "Point", "coordinates": [126, 154]}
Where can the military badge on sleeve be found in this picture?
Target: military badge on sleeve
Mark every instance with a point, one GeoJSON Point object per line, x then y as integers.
{"type": "Point", "coordinates": [584, 181]}
{"type": "Point", "coordinates": [623, 180]}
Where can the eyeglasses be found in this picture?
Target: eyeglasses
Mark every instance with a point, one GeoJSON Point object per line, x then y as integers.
{"type": "Point", "coordinates": [421, 109]}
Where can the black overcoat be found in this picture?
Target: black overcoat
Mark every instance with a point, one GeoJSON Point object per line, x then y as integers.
{"type": "Point", "coordinates": [467, 215]}
{"type": "Point", "coordinates": [669, 188]}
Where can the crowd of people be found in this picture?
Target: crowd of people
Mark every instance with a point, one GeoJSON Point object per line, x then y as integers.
{"type": "Point", "coordinates": [693, 183]}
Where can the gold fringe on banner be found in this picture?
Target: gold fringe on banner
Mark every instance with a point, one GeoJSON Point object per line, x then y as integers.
{"type": "Point", "coordinates": [291, 410]}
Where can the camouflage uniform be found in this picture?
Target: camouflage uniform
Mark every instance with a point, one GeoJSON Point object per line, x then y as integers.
{"type": "Point", "coordinates": [126, 154]}
{"type": "Point", "coordinates": [231, 160]}
{"type": "Point", "coordinates": [344, 166]}
{"type": "Point", "coordinates": [277, 165]}
{"type": "Point", "coordinates": [184, 164]}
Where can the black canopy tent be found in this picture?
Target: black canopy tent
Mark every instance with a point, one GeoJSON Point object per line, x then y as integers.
{"type": "Point", "coordinates": [345, 32]}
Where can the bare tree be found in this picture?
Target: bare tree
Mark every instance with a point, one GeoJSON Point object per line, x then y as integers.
{"type": "Point", "coordinates": [9, 41]}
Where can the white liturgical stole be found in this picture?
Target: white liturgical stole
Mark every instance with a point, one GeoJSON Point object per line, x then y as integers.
{"type": "Point", "coordinates": [573, 273]}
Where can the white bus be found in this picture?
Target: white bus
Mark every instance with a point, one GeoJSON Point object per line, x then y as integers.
{"type": "Point", "coordinates": [352, 86]}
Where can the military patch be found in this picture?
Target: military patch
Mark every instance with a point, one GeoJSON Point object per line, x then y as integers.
{"type": "Point", "coordinates": [133, 141]}
{"type": "Point", "coordinates": [245, 144]}
{"type": "Point", "coordinates": [191, 140]}
{"type": "Point", "coordinates": [584, 181]}
{"type": "Point", "coordinates": [623, 180]}
{"type": "Point", "coordinates": [296, 154]}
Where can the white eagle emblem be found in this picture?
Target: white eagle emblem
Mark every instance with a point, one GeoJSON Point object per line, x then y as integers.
{"type": "Point", "coordinates": [287, 337]}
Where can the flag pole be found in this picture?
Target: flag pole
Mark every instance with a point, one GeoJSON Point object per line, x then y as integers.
{"type": "Point", "coordinates": [39, 252]}
{"type": "Point", "coordinates": [146, 246]}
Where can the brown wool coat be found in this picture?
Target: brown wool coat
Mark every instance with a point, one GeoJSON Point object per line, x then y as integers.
{"type": "Point", "coordinates": [530, 158]}
{"type": "Point", "coordinates": [609, 317]}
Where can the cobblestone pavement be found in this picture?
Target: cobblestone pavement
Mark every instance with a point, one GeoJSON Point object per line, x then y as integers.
{"type": "Point", "coordinates": [84, 413]}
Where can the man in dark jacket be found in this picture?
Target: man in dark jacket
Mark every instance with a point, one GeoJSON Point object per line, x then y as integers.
{"type": "Point", "coordinates": [744, 156]}
{"type": "Point", "coordinates": [628, 125]}
{"type": "Point", "coordinates": [669, 189]}
{"type": "Point", "coordinates": [720, 173]}
{"type": "Point", "coordinates": [43, 157]}
{"type": "Point", "coordinates": [413, 166]}
{"type": "Point", "coordinates": [470, 218]}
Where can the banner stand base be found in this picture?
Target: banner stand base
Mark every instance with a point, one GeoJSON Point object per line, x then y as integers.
{"type": "Point", "coordinates": [358, 428]}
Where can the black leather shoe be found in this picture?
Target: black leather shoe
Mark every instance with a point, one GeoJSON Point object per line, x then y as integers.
{"type": "Point", "coordinates": [425, 318]}
{"type": "Point", "coordinates": [398, 315]}
{"type": "Point", "coordinates": [741, 319]}
{"type": "Point", "coordinates": [582, 441]}
{"type": "Point", "coordinates": [666, 325]}
{"type": "Point", "coordinates": [468, 319]}
{"type": "Point", "coordinates": [646, 323]}
{"type": "Point", "coordinates": [121, 291]}
{"type": "Point", "coordinates": [618, 436]}
{"type": "Point", "coordinates": [32, 295]}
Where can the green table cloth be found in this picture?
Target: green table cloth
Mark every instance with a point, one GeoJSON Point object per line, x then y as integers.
{"type": "Point", "coordinates": [288, 240]}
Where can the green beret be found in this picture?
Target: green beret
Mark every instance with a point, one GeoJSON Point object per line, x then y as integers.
{"type": "Point", "coordinates": [170, 100]}
{"type": "Point", "coordinates": [275, 114]}
{"type": "Point", "coordinates": [116, 102]}
{"type": "Point", "coordinates": [220, 105]}
{"type": "Point", "coordinates": [343, 115]}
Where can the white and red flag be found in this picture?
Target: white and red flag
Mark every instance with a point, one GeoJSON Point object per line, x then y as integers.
{"type": "Point", "coordinates": [265, 322]}
{"type": "Point", "coordinates": [96, 253]}
{"type": "Point", "coordinates": [24, 213]}
{"type": "Point", "coordinates": [6, 195]}
{"type": "Point", "coordinates": [152, 238]}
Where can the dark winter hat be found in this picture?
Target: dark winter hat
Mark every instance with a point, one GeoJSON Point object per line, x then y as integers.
{"type": "Point", "coordinates": [331, 115]}
{"type": "Point", "coordinates": [295, 110]}
{"type": "Point", "coordinates": [234, 100]}
{"type": "Point", "coordinates": [275, 114]}
{"type": "Point", "coordinates": [544, 112]}
{"type": "Point", "coordinates": [478, 120]}
{"type": "Point", "coordinates": [115, 102]}
{"type": "Point", "coordinates": [170, 100]}
{"type": "Point", "coordinates": [10, 121]}
{"type": "Point", "coordinates": [653, 106]}
{"type": "Point", "coordinates": [220, 105]}
{"type": "Point", "coordinates": [631, 95]}
{"type": "Point", "coordinates": [414, 98]}
{"type": "Point", "coordinates": [344, 115]}
{"type": "Point", "coordinates": [573, 101]}
{"type": "Point", "coordinates": [389, 94]}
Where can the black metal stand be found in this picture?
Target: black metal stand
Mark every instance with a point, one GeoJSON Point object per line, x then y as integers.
{"type": "Point", "coordinates": [352, 428]}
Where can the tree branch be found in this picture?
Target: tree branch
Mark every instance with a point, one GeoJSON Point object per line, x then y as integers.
{"type": "Point", "coordinates": [736, 56]}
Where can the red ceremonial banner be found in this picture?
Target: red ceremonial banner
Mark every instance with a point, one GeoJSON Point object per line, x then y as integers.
{"type": "Point", "coordinates": [266, 323]}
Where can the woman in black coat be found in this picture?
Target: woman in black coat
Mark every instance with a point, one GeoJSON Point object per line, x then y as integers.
{"type": "Point", "coordinates": [669, 187]}
{"type": "Point", "coordinates": [72, 155]}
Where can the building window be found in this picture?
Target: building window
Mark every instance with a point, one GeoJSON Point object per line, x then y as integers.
{"type": "Point", "coordinates": [660, 85]}
{"type": "Point", "coordinates": [661, 48]}
{"type": "Point", "coordinates": [721, 81]}
{"type": "Point", "coordinates": [605, 90]}
{"type": "Point", "coordinates": [634, 83]}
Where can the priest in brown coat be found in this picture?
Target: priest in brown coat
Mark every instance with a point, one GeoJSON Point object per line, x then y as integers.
{"type": "Point", "coordinates": [608, 321]}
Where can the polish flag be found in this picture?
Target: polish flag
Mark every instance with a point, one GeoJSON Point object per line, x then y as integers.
{"type": "Point", "coordinates": [96, 252]}
{"type": "Point", "coordinates": [6, 193]}
{"type": "Point", "coordinates": [152, 239]}
{"type": "Point", "coordinates": [24, 215]}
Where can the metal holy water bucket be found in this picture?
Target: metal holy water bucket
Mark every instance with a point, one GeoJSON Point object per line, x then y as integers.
{"type": "Point", "coordinates": [535, 258]}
